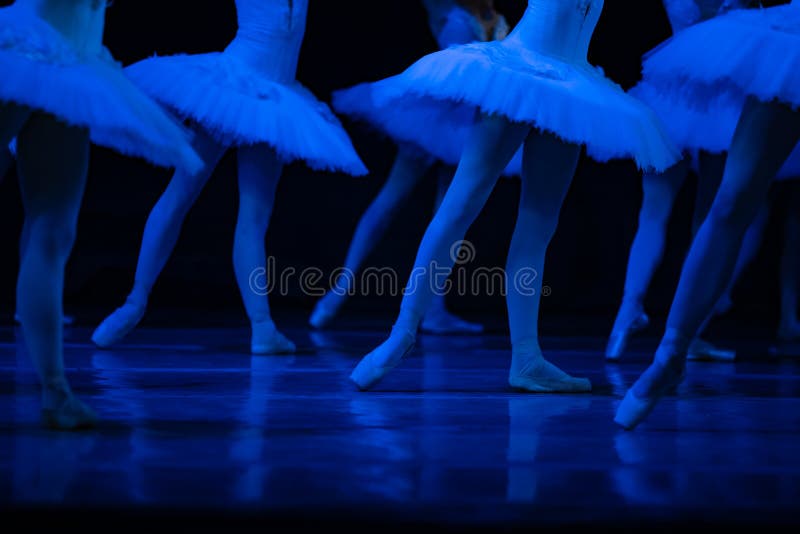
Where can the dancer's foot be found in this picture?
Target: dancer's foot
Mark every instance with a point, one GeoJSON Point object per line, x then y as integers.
{"type": "Point", "coordinates": [531, 372]}
{"type": "Point", "coordinates": [377, 364]}
{"type": "Point", "coordinates": [789, 331]}
{"type": "Point", "coordinates": [326, 310]}
{"type": "Point", "coordinates": [68, 320]}
{"type": "Point", "coordinates": [61, 410]}
{"type": "Point", "coordinates": [630, 319]}
{"type": "Point", "coordinates": [119, 324]}
{"type": "Point", "coordinates": [665, 374]}
{"type": "Point", "coordinates": [444, 323]}
{"type": "Point", "coordinates": [268, 340]}
{"type": "Point", "coordinates": [702, 350]}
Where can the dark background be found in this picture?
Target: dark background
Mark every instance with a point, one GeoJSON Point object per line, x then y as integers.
{"type": "Point", "coordinates": [350, 41]}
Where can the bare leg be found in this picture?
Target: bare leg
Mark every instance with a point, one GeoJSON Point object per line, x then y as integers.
{"type": "Point", "coordinates": [259, 173]}
{"type": "Point", "coordinates": [53, 162]}
{"type": "Point", "coordinates": [548, 168]}
{"type": "Point", "coordinates": [490, 146]}
{"type": "Point", "coordinates": [407, 171]}
{"type": "Point", "coordinates": [764, 138]}
{"type": "Point", "coordinates": [160, 236]}
{"type": "Point", "coordinates": [438, 320]}
{"type": "Point", "coordinates": [647, 251]}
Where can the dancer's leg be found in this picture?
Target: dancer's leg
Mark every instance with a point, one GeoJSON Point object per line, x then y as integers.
{"type": "Point", "coordinates": [438, 320]}
{"type": "Point", "coordinates": [160, 236]}
{"type": "Point", "coordinates": [710, 168]}
{"type": "Point", "coordinates": [259, 172]}
{"type": "Point", "coordinates": [548, 167]}
{"type": "Point", "coordinates": [490, 146]}
{"type": "Point", "coordinates": [53, 162]}
{"type": "Point", "coordinates": [659, 193]}
{"type": "Point", "coordinates": [789, 325]}
{"type": "Point", "coordinates": [407, 171]}
{"type": "Point", "coordinates": [764, 138]}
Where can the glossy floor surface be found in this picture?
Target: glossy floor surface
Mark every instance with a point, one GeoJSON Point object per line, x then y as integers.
{"type": "Point", "coordinates": [193, 425]}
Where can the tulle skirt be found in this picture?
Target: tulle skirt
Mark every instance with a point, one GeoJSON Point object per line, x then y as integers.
{"type": "Point", "coordinates": [240, 106]}
{"type": "Point", "coordinates": [573, 101]}
{"type": "Point", "coordinates": [433, 128]}
{"type": "Point", "coordinates": [690, 128]}
{"type": "Point", "coordinates": [746, 52]}
{"type": "Point", "coordinates": [42, 71]}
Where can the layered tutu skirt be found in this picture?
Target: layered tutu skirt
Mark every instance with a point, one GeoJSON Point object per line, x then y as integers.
{"type": "Point", "coordinates": [746, 52]}
{"type": "Point", "coordinates": [42, 71]}
{"type": "Point", "coordinates": [432, 128]}
{"type": "Point", "coordinates": [240, 106]}
{"type": "Point", "coordinates": [691, 128]}
{"type": "Point", "coordinates": [573, 101]}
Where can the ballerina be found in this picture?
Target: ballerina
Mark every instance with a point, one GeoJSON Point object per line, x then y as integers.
{"type": "Point", "coordinates": [705, 136]}
{"type": "Point", "coordinates": [755, 53]}
{"type": "Point", "coordinates": [535, 88]}
{"type": "Point", "coordinates": [57, 43]}
{"type": "Point", "coordinates": [452, 22]}
{"type": "Point", "coordinates": [245, 97]}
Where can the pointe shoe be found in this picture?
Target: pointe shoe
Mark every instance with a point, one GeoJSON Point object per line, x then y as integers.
{"type": "Point", "coordinates": [701, 350]}
{"type": "Point", "coordinates": [118, 325]}
{"type": "Point", "coordinates": [445, 323]}
{"type": "Point", "coordinates": [541, 376]}
{"type": "Point", "coordinates": [71, 414]}
{"type": "Point", "coordinates": [267, 340]}
{"type": "Point", "coordinates": [324, 312]}
{"type": "Point", "coordinates": [618, 340]}
{"type": "Point", "coordinates": [634, 409]}
{"type": "Point", "coordinates": [377, 364]}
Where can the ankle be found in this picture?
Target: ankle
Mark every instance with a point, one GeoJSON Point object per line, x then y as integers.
{"type": "Point", "coordinates": [631, 305]}
{"type": "Point", "coordinates": [407, 324]}
{"type": "Point", "coordinates": [673, 348]}
{"type": "Point", "coordinates": [55, 391]}
{"type": "Point", "coordinates": [138, 297]}
{"type": "Point", "coordinates": [261, 322]}
{"type": "Point", "coordinates": [526, 347]}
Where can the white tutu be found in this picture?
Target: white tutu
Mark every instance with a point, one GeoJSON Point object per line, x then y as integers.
{"type": "Point", "coordinates": [42, 71]}
{"type": "Point", "coordinates": [240, 106]}
{"type": "Point", "coordinates": [436, 128]}
{"type": "Point", "coordinates": [539, 76]}
{"type": "Point", "coordinates": [710, 128]}
{"type": "Point", "coordinates": [747, 52]}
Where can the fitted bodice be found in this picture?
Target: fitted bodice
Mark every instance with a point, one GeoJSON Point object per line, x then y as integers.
{"type": "Point", "coordinates": [560, 28]}
{"type": "Point", "coordinates": [81, 22]}
{"type": "Point", "coordinates": [270, 35]}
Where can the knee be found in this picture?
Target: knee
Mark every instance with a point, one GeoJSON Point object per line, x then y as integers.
{"type": "Point", "coordinates": [733, 210]}
{"type": "Point", "coordinates": [253, 221]}
{"type": "Point", "coordinates": [654, 214]}
{"type": "Point", "coordinates": [544, 224]}
{"type": "Point", "coordinates": [462, 214]}
{"type": "Point", "coordinates": [53, 238]}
